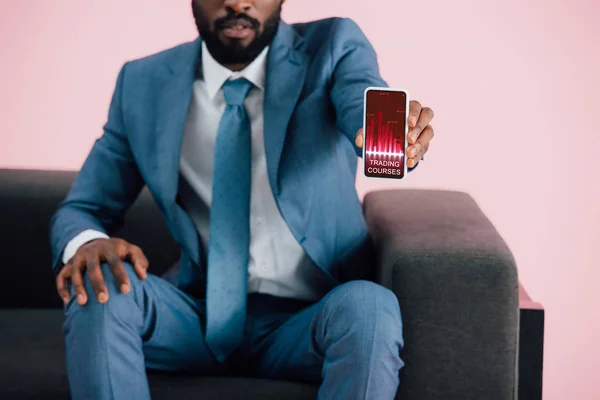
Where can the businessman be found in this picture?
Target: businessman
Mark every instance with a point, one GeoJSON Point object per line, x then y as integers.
{"type": "Point", "coordinates": [248, 140]}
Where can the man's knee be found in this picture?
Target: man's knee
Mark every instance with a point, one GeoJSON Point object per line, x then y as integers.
{"type": "Point", "coordinates": [111, 281]}
{"type": "Point", "coordinates": [360, 296]}
{"type": "Point", "coordinates": [118, 304]}
{"type": "Point", "coordinates": [365, 304]}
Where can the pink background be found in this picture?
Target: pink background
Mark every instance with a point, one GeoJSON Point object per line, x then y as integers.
{"type": "Point", "coordinates": [514, 84]}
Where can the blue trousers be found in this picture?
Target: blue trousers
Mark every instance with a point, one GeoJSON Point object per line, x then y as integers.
{"type": "Point", "coordinates": [348, 342]}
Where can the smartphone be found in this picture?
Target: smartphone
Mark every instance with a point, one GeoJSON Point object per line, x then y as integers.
{"type": "Point", "coordinates": [385, 129]}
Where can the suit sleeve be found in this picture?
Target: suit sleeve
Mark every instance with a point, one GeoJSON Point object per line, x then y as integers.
{"type": "Point", "coordinates": [355, 69]}
{"type": "Point", "coordinates": [105, 187]}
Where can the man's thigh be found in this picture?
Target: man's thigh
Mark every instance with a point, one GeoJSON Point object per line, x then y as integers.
{"type": "Point", "coordinates": [343, 324]}
{"type": "Point", "coordinates": [174, 340]}
{"type": "Point", "coordinates": [168, 320]}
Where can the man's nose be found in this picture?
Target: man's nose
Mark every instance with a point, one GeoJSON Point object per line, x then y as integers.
{"type": "Point", "coordinates": [239, 6]}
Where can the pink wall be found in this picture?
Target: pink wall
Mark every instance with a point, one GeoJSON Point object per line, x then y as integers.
{"type": "Point", "coordinates": [513, 84]}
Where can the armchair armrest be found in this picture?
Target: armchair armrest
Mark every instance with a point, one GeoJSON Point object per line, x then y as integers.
{"type": "Point", "coordinates": [456, 281]}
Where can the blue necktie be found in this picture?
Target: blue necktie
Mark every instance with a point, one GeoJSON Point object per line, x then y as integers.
{"type": "Point", "coordinates": [229, 232]}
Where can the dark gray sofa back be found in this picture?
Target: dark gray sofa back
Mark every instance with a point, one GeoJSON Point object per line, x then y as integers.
{"type": "Point", "coordinates": [28, 198]}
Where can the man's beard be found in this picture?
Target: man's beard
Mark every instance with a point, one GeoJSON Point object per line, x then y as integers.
{"type": "Point", "coordinates": [234, 53]}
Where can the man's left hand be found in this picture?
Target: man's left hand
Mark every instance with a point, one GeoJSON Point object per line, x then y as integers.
{"type": "Point", "coordinates": [420, 133]}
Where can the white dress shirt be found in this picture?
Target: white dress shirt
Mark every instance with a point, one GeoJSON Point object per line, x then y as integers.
{"type": "Point", "coordinates": [278, 264]}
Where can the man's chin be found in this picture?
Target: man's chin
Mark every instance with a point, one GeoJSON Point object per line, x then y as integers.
{"type": "Point", "coordinates": [236, 39]}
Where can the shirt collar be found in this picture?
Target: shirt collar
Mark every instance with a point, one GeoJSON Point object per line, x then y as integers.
{"type": "Point", "coordinates": [215, 75]}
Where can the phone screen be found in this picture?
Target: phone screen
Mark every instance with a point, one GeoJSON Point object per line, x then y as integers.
{"type": "Point", "coordinates": [385, 133]}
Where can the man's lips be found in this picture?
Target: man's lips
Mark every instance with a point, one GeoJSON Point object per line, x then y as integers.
{"type": "Point", "coordinates": [238, 23]}
{"type": "Point", "coordinates": [237, 28]}
{"type": "Point", "coordinates": [237, 33]}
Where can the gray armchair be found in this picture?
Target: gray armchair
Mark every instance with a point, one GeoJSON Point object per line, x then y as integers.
{"type": "Point", "coordinates": [454, 276]}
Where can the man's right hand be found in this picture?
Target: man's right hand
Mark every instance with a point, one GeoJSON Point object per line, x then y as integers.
{"type": "Point", "coordinates": [89, 257]}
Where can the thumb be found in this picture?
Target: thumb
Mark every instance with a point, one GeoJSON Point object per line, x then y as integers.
{"type": "Point", "coordinates": [359, 138]}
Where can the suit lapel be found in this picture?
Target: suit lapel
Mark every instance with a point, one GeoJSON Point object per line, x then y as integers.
{"type": "Point", "coordinates": [285, 75]}
{"type": "Point", "coordinates": [172, 115]}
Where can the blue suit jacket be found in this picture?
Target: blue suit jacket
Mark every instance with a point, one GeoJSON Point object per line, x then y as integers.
{"type": "Point", "coordinates": [316, 76]}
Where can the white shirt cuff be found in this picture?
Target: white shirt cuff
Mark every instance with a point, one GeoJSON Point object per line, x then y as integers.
{"type": "Point", "coordinates": [79, 240]}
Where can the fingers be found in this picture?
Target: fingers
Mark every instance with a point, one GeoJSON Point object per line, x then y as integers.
{"type": "Point", "coordinates": [76, 266]}
{"type": "Point", "coordinates": [418, 150]}
{"type": "Point", "coordinates": [97, 278]}
{"type": "Point", "coordinates": [118, 271]}
{"type": "Point", "coordinates": [414, 110]}
{"type": "Point", "coordinates": [139, 261]}
{"type": "Point", "coordinates": [418, 121]}
{"type": "Point", "coordinates": [425, 137]}
{"type": "Point", "coordinates": [131, 252]}
{"type": "Point", "coordinates": [420, 132]}
{"type": "Point", "coordinates": [61, 283]}
{"type": "Point", "coordinates": [89, 258]}
{"type": "Point", "coordinates": [412, 162]}
{"type": "Point", "coordinates": [360, 138]}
